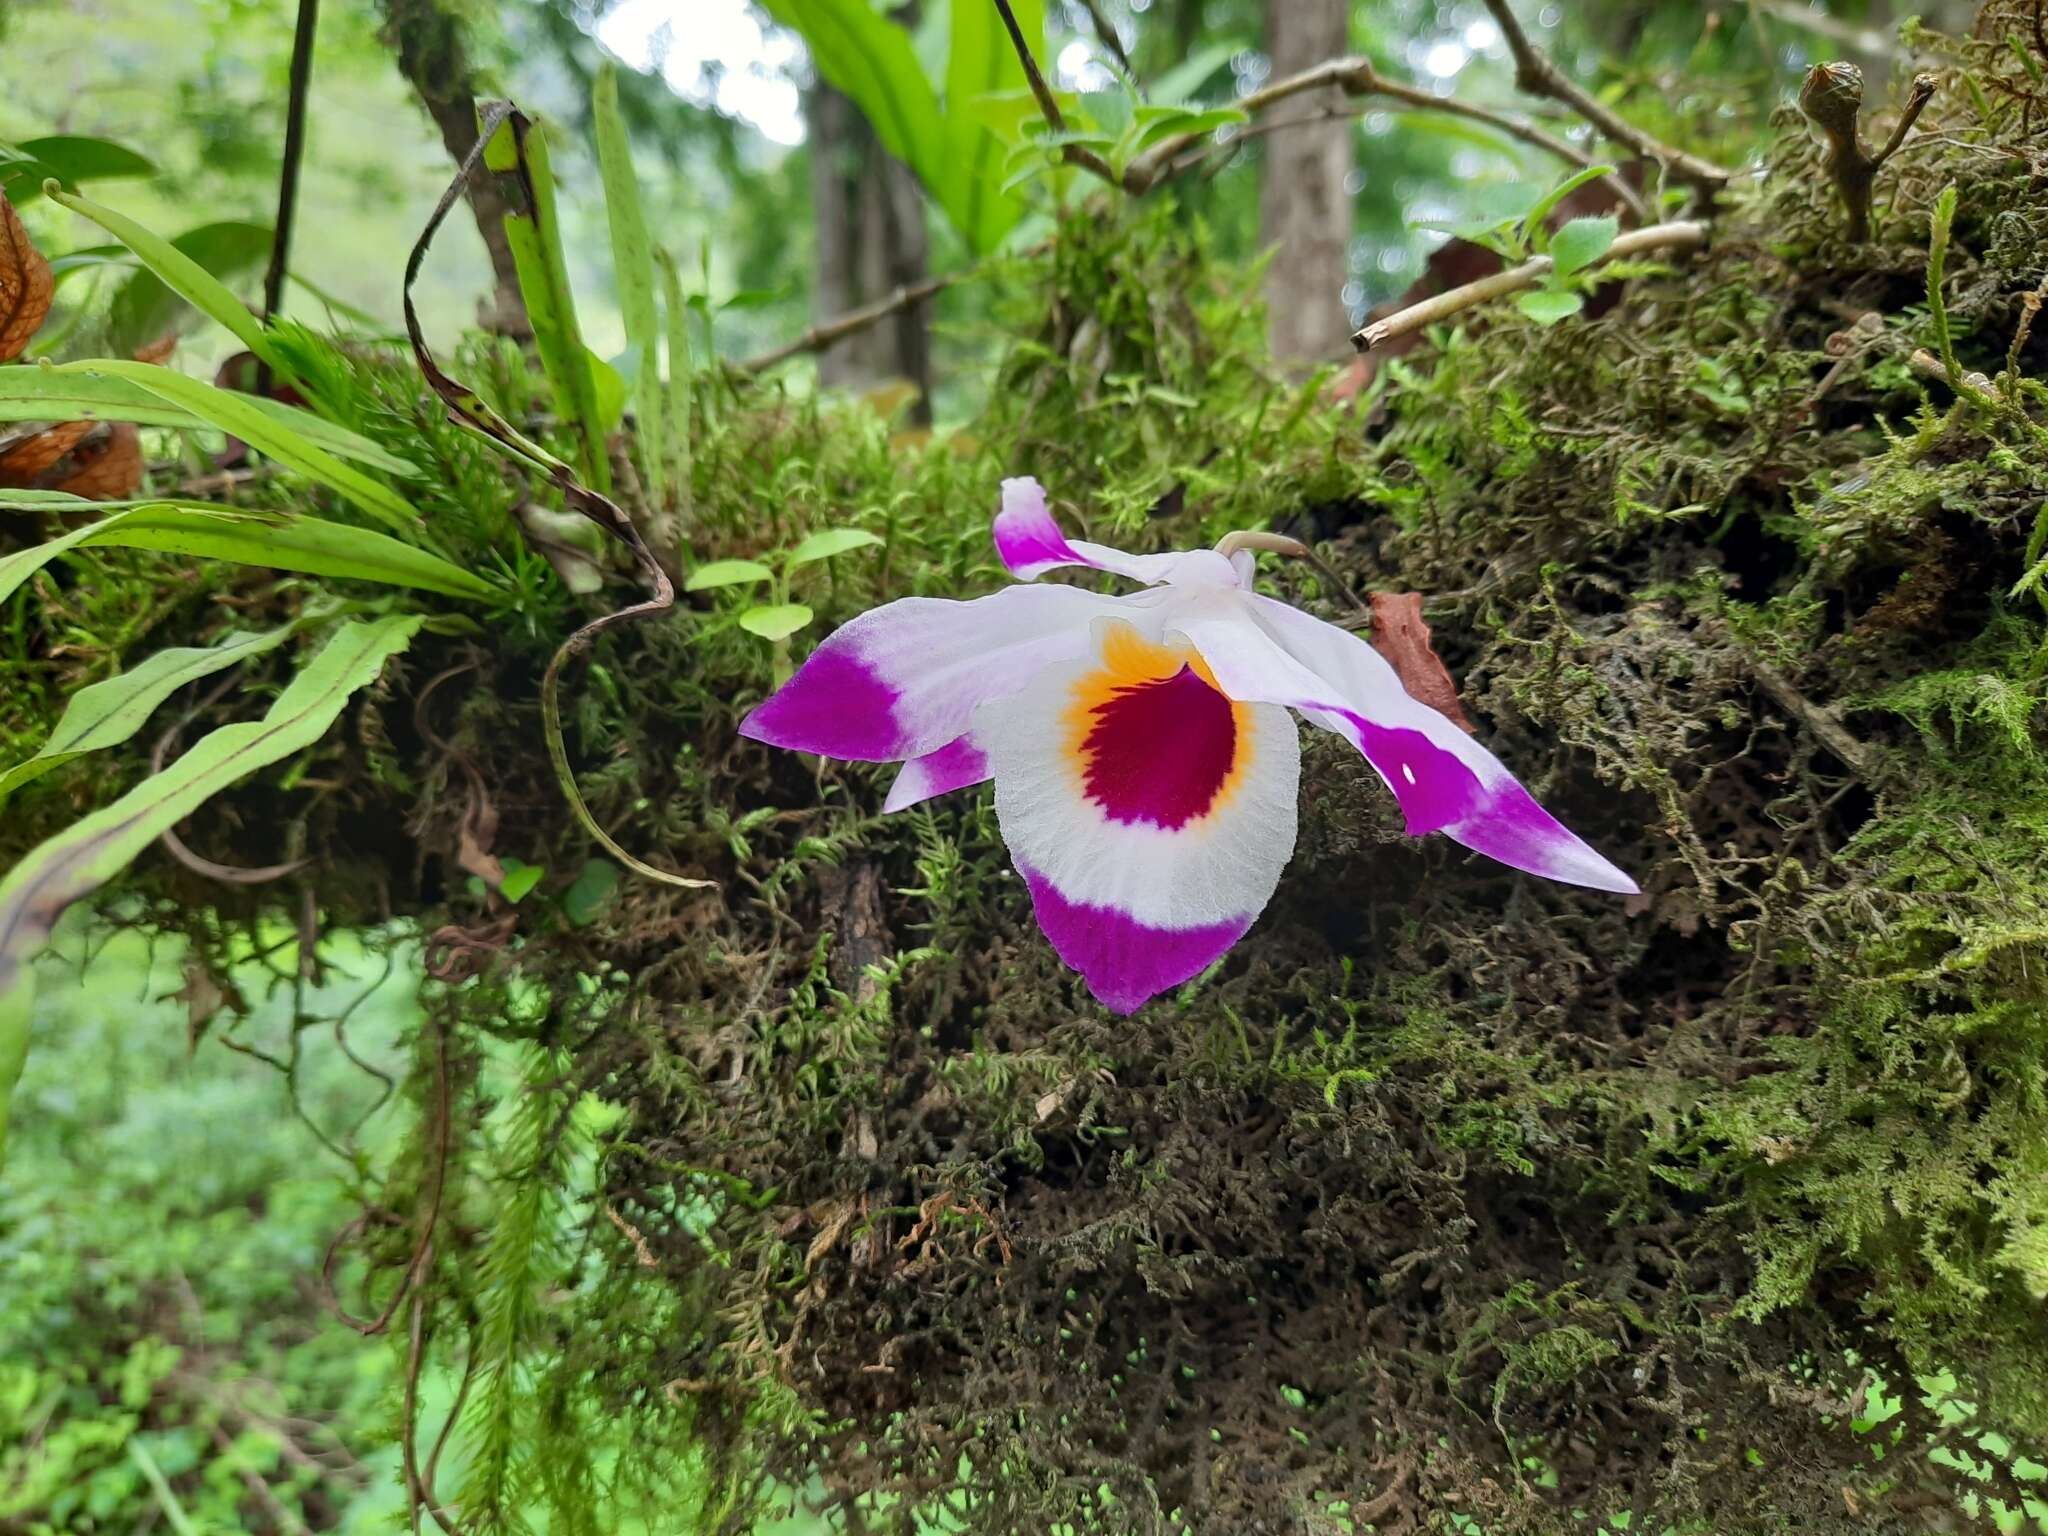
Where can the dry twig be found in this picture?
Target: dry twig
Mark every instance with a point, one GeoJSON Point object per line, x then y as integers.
{"type": "Point", "coordinates": [1356, 77]}
{"type": "Point", "coordinates": [828, 332]}
{"type": "Point", "coordinates": [1537, 74]}
{"type": "Point", "coordinates": [1680, 234]}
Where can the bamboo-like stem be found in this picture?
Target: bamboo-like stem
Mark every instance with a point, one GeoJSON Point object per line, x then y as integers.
{"type": "Point", "coordinates": [1537, 74]}
{"type": "Point", "coordinates": [1680, 234]}
{"type": "Point", "coordinates": [294, 152]}
{"type": "Point", "coordinates": [1106, 30]}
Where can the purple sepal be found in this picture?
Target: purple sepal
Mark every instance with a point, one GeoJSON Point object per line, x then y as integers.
{"type": "Point", "coordinates": [835, 706]}
{"type": "Point", "coordinates": [1125, 962]}
{"type": "Point", "coordinates": [1027, 538]}
{"type": "Point", "coordinates": [1518, 832]}
{"type": "Point", "coordinates": [956, 765]}
{"type": "Point", "coordinates": [1433, 787]}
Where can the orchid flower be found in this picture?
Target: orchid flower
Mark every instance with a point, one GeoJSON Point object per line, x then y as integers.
{"type": "Point", "coordinates": [1145, 764]}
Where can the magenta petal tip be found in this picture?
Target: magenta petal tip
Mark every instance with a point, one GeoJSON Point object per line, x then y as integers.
{"type": "Point", "coordinates": [1126, 963]}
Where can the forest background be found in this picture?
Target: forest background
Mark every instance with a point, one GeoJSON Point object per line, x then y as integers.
{"type": "Point", "coordinates": [169, 1354]}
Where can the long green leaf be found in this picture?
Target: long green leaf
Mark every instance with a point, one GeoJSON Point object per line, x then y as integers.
{"type": "Point", "coordinates": [108, 713]}
{"type": "Point", "coordinates": [67, 157]}
{"type": "Point", "coordinates": [281, 541]}
{"type": "Point", "coordinates": [182, 275]}
{"type": "Point", "coordinates": [89, 853]}
{"type": "Point", "coordinates": [543, 267]}
{"type": "Point", "coordinates": [45, 394]}
{"type": "Point", "coordinates": [980, 62]}
{"type": "Point", "coordinates": [144, 308]}
{"type": "Point", "coordinates": [633, 269]}
{"type": "Point", "coordinates": [235, 414]}
{"type": "Point", "coordinates": [676, 316]}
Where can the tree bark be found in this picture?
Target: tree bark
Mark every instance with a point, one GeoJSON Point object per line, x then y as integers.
{"type": "Point", "coordinates": [428, 41]}
{"type": "Point", "coordinates": [1304, 210]}
{"type": "Point", "coordinates": [869, 216]}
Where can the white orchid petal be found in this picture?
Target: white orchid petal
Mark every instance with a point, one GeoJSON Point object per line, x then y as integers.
{"type": "Point", "coordinates": [1443, 779]}
{"type": "Point", "coordinates": [904, 679]}
{"type": "Point", "coordinates": [1030, 544]}
{"type": "Point", "coordinates": [1150, 815]}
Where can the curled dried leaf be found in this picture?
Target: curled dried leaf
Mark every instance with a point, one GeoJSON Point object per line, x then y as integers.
{"type": "Point", "coordinates": [96, 459]}
{"type": "Point", "coordinates": [1401, 634]}
{"type": "Point", "coordinates": [26, 458]}
{"type": "Point", "coordinates": [25, 285]}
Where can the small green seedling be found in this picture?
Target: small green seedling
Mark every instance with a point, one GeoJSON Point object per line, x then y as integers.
{"type": "Point", "coordinates": [1576, 245]}
{"type": "Point", "coordinates": [1572, 249]}
{"type": "Point", "coordinates": [778, 618]}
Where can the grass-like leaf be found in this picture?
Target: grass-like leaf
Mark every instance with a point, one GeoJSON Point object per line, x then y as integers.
{"type": "Point", "coordinates": [236, 414]}
{"type": "Point", "coordinates": [144, 308]}
{"type": "Point", "coordinates": [181, 274]}
{"type": "Point", "coordinates": [88, 853]}
{"type": "Point", "coordinates": [109, 712]}
{"type": "Point", "coordinates": [543, 266]}
{"type": "Point", "coordinates": [48, 394]}
{"type": "Point", "coordinates": [676, 320]}
{"type": "Point", "coordinates": [280, 541]}
{"type": "Point", "coordinates": [633, 270]}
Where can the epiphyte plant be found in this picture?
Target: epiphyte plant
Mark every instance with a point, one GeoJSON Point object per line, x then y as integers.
{"type": "Point", "coordinates": [1144, 762]}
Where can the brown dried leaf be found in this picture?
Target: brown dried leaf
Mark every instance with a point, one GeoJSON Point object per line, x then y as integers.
{"type": "Point", "coordinates": [24, 461]}
{"type": "Point", "coordinates": [478, 831]}
{"type": "Point", "coordinates": [25, 285]}
{"type": "Point", "coordinates": [106, 467]}
{"type": "Point", "coordinates": [204, 996]}
{"type": "Point", "coordinates": [158, 351]}
{"type": "Point", "coordinates": [1401, 634]}
{"type": "Point", "coordinates": [96, 459]}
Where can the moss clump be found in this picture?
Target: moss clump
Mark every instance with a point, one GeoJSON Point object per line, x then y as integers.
{"type": "Point", "coordinates": [1449, 1192]}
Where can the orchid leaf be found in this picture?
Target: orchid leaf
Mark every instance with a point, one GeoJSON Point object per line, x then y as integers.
{"type": "Point", "coordinates": [111, 711]}
{"type": "Point", "coordinates": [50, 394]}
{"type": "Point", "coordinates": [236, 414]}
{"type": "Point", "coordinates": [281, 541]}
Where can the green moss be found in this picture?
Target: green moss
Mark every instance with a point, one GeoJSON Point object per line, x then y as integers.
{"type": "Point", "coordinates": [1485, 1173]}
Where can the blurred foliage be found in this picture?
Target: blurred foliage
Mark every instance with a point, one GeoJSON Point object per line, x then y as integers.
{"type": "Point", "coordinates": [162, 1225]}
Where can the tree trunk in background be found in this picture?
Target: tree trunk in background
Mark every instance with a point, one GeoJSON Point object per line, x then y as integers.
{"type": "Point", "coordinates": [1304, 211]}
{"type": "Point", "coordinates": [428, 40]}
{"type": "Point", "coordinates": [869, 216]}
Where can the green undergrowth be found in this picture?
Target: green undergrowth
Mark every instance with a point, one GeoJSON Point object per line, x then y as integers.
{"type": "Point", "coordinates": [1450, 1196]}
